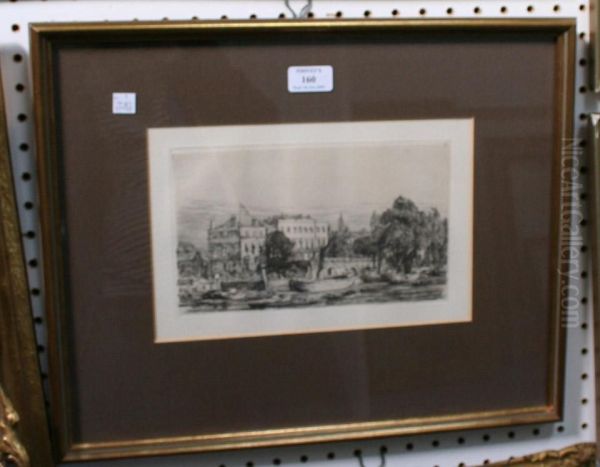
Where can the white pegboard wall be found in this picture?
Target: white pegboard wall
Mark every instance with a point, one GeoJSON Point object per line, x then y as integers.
{"type": "Point", "coordinates": [443, 450]}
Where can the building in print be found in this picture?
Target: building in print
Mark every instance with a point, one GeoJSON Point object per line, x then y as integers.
{"type": "Point", "coordinates": [307, 234]}
{"type": "Point", "coordinates": [224, 252]}
{"type": "Point", "coordinates": [253, 235]}
{"type": "Point", "coordinates": [237, 246]}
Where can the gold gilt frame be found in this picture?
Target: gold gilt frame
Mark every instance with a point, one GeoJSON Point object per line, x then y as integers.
{"type": "Point", "coordinates": [24, 436]}
{"type": "Point", "coordinates": [578, 455]}
{"type": "Point", "coordinates": [44, 39]}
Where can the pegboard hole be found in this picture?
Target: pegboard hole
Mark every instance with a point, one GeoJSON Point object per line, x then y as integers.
{"type": "Point", "coordinates": [584, 326]}
{"type": "Point", "coordinates": [409, 446]}
{"type": "Point", "coordinates": [584, 351]}
{"type": "Point", "coordinates": [20, 87]}
{"type": "Point", "coordinates": [357, 453]}
{"type": "Point", "coordinates": [435, 443]}
{"type": "Point", "coordinates": [281, 15]}
{"type": "Point", "coordinates": [503, 9]}
{"type": "Point", "coordinates": [460, 440]}
{"type": "Point", "coordinates": [584, 426]}
{"type": "Point", "coordinates": [224, 17]}
{"type": "Point", "coordinates": [33, 263]}
{"type": "Point", "coordinates": [582, 62]}
{"type": "Point", "coordinates": [24, 147]}
{"type": "Point", "coordinates": [582, 35]}
{"type": "Point", "coordinates": [304, 459]}
{"type": "Point", "coordinates": [26, 176]}
{"type": "Point", "coordinates": [338, 14]}
{"type": "Point", "coordinates": [536, 431]}
{"type": "Point", "coordinates": [584, 300]}
{"type": "Point", "coordinates": [15, 28]}
{"type": "Point", "coordinates": [556, 8]}
{"type": "Point", "coordinates": [476, 10]}
{"type": "Point", "coordinates": [29, 234]}
{"type": "Point", "coordinates": [41, 348]}
{"type": "Point", "coordinates": [511, 434]}
{"type": "Point", "coordinates": [584, 376]}
{"type": "Point", "coordinates": [367, 13]}
{"type": "Point", "coordinates": [22, 117]}
{"type": "Point", "coordinates": [486, 437]}
{"type": "Point", "coordinates": [38, 320]}
{"type": "Point", "coordinates": [582, 116]}
{"type": "Point", "coordinates": [582, 89]}
{"type": "Point", "coordinates": [582, 7]}
{"type": "Point", "coordinates": [331, 455]}
{"type": "Point", "coordinates": [310, 14]}
{"type": "Point", "coordinates": [253, 16]}
{"type": "Point", "coordinates": [422, 11]}
{"type": "Point", "coordinates": [395, 12]}
{"type": "Point", "coordinates": [18, 58]}
{"type": "Point", "coordinates": [276, 461]}
{"type": "Point", "coordinates": [249, 464]}
{"type": "Point", "coordinates": [28, 205]}
{"type": "Point", "coordinates": [35, 292]}
{"type": "Point", "coordinates": [584, 401]}
{"type": "Point", "coordinates": [449, 11]}
{"type": "Point", "coordinates": [560, 429]}
{"type": "Point", "coordinates": [486, 462]}
{"type": "Point", "coordinates": [530, 8]}
{"type": "Point", "coordinates": [584, 274]}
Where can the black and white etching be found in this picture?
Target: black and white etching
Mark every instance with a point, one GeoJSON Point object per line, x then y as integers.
{"type": "Point", "coordinates": [316, 226]}
{"type": "Point", "coordinates": [291, 228]}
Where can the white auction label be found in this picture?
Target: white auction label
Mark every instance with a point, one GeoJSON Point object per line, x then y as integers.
{"type": "Point", "coordinates": [317, 78]}
{"type": "Point", "coordinates": [123, 103]}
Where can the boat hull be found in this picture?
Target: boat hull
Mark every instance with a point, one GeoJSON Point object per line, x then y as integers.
{"type": "Point", "coordinates": [322, 285]}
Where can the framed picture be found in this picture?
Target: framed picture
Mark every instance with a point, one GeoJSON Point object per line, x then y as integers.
{"type": "Point", "coordinates": [277, 232]}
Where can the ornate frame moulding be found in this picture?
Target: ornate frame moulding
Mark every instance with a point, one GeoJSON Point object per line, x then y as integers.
{"type": "Point", "coordinates": [578, 455]}
{"type": "Point", "coordinates": [11, 449]}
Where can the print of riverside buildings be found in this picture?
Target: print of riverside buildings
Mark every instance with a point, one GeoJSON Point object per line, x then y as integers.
{"type": "Point", "coordinates": [237, 245]}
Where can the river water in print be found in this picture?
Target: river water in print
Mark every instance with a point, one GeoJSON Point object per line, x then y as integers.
{"type": "Point", "coordinates": [360, 293]}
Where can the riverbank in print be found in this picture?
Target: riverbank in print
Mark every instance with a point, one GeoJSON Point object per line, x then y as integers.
{"type": "Point", "coordinates": [258, 230]}
{"type": "Point", "coordinates": [282, 260]}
